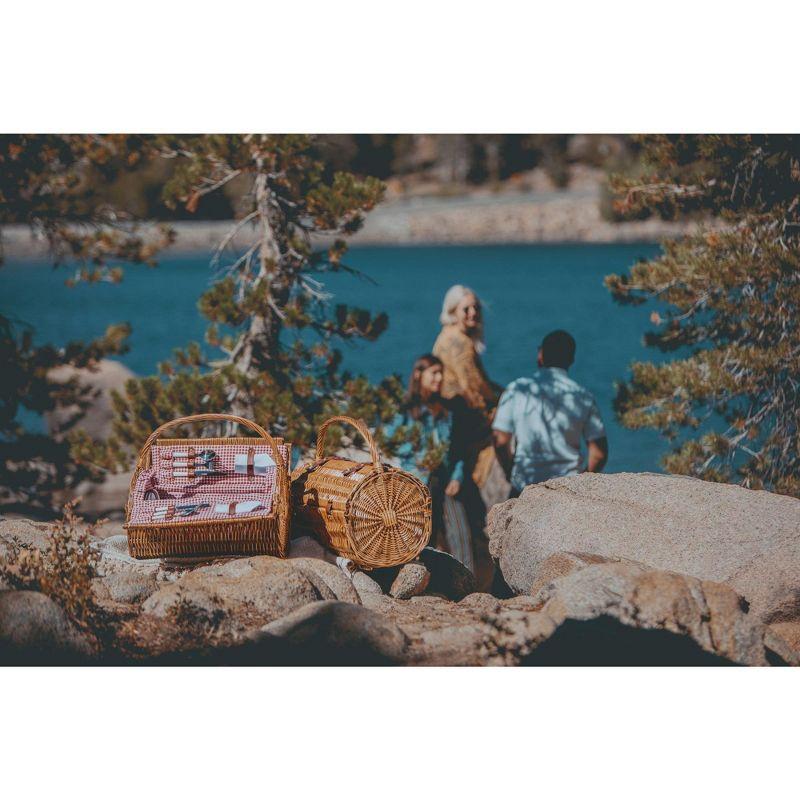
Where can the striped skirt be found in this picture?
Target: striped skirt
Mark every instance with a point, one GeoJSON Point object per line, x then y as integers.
{"type": "Point", "coordinates": [456, 535]}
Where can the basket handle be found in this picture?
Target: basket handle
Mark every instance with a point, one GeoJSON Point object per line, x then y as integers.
{"type": "Point", "coordinates": [144, 454]}
{"type": "Point", "coordinates": [360, 426]}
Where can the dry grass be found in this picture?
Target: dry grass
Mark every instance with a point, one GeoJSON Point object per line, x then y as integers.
{"type": "Point", "coordinates": [196, 627]}
{"type": "Point", "coordinates": [64, 571]}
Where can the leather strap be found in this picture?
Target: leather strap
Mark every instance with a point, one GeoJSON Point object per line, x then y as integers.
{"type": "Point", "coordinates": [251, 456]}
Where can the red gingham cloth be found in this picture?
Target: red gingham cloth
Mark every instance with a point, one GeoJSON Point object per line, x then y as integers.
{"type": "Point", "coordinates": [230, 487]}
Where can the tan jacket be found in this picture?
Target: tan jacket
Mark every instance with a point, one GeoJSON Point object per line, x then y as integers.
{"type": "Point", "coordinates": [463, 372]}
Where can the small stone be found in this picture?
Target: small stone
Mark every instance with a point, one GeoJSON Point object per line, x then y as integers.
{"type": "Point", "coordinates": [327, 576]}
{"type": "Point", "coordinates": [412, 580]}
{"type": "Point", "coordinates": [370, 592]}
{"type": "Point", "coordinates": [364, 585]}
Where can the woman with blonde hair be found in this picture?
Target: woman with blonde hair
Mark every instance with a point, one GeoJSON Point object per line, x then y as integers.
{"type": "Point", "coordinates": [459, 346]}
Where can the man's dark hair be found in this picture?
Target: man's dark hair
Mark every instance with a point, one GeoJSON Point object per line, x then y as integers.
{"type": "Point", "coordinates": [558, 350]}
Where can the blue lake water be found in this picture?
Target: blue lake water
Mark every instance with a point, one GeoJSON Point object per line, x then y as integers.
{"type": "Point", "coordinates": [528, 290]}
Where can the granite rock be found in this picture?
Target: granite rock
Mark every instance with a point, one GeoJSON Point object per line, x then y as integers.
{"type": "Point", "coordinates": [716, 532]}
{"type": "Point", "coordinates": [35, 630]}
{"type": "Point", "coordinates": [239, 595]}
{"type": "Point", "coordinates": [411, 580]}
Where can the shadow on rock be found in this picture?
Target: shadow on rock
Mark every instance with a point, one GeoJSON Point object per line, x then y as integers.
{"type": "Point", "coordinates": [325, 633]}
{"type": "Point", "coordinates": [606, 642]}
{"type": "Point", "coordinates": [35, 631]}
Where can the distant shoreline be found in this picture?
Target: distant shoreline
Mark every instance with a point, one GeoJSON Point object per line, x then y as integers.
{"type": "Point", "coordinates": [566, 216]}
{"type": "Point", "coordinates": [508, 218]}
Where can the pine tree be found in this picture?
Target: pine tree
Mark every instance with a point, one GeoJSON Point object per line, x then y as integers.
{"type": "Point", "coordinates": [271, 327]}
{"type": "Point", "coordinates": [48, 183]}
{"type": "Point", "coordinates": [732, 297]}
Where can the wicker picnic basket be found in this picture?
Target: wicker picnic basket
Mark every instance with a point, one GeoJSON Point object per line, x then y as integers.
{"type": "Point", "coordinates": [264, 532]}
{"type": "Point", "coordinates": [371, 513]}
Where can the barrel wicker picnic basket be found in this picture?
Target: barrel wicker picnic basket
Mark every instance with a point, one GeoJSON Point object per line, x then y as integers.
{"type": "Point", "coordinates": [210, 496]}
{"type": "Point", "coordinates": [372, 513]}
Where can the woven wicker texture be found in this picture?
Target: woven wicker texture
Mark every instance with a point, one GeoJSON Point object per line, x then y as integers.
{"type": "Point", "coordinates": [263, 532]}
{"type": "Point", "coordinates": [374, 514]}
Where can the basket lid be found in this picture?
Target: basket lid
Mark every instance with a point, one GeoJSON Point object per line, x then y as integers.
{"type": "Point", "coordinates": [389, 518]}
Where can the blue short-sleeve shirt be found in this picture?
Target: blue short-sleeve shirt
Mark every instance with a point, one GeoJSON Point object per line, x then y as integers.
{"type": "Point", "coordinates": [548, 415]}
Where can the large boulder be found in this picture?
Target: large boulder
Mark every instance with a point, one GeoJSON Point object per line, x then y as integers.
{"type": "Point", "coordinates": [717, 532]}
{"type": "Point", "coordinates": [243, 594]}
{"type": "Point", "coordinates": [697, 613]}
{"type": "Point", "coordinates": [35, 630]}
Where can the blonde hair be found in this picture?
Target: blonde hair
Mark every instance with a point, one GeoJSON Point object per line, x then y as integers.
{"type": "Point", "coordinates": [453, 296]}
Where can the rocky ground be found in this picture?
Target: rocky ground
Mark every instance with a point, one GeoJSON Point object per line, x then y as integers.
{"type": "Point", "coordinates": [600, 569]}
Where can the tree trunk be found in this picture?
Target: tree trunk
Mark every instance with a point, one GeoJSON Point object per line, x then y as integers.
{"type": "Point", "coordinates": [258, 348]}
